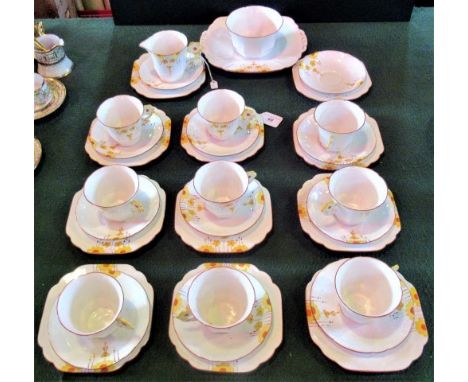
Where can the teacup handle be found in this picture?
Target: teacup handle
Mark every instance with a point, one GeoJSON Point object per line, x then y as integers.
{"type": "Point", "coordinates": [186, 315]}
{"type": "Point", "coordinates": [328, 208]}
{"type": "Point", "coordinates": [252, 175]}
{"type": "Point", "coordinates": [147, 113]}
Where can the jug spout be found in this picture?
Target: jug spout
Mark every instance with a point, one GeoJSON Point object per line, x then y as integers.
{"type": "Point", "coordinates": [148, 44]}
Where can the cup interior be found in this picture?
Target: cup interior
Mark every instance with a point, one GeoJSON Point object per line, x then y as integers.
{"type": "Point", "coordinates": [90, 303]}
{"type": "Point", "coordinates": [358, 188]}
{"type": "Point", "coordinates": [221, 181]}
{"type": "Point", "coordinates": [49, 40]}
{"type": "Point", "coordinates": [120, 111]}
{"type": "Point", "coordinates": [339, 116]}
{"type": "Point", "coordinates": [38, 81]}
{"type": "Point", "coordinates": [349, 68]}
{"type": "Point", "coordinates": [254, 21]}
{"type": "Point", "coordinates": [111, 186]}
{"type": "Point", "coordinates": [221, 297]}
{"type": "Point", "coordinates": [368, 286]}
{"type": "Point", "coordinates": [221, 106]}
{"type": "Point", "coordinates": [166, 42]}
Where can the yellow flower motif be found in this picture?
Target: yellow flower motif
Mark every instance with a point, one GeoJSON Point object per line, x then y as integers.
{"type": "Point", "coordinates": [249, 318]}
{"type": "Point", "coordinates": [302, 212]}
{"type": "Point", "coordinates": [134, 80]}
{"type": "Point", "coordinates": [207, 248]}
{"type": "Point", "coordinates": [312, 312]}
{"type": "Point", "coordinates": [165, 142]}
{"type": "Point", "coordinates": [258, 326]}
{"type": "Point", "coordinates": [138, 205]}
{"type": "Point", "coordinates": [212, 265]}
{"type": "Point", "coordinates": [260, 197]}
{"type": "Point", "coordinates": [241, 266]}
{"type": "Point", "coordinates": [105, 350]}
{"type": "Point", "coordinates": [410, 310]}
{"type": "Point", "coordinates": [97, 249]}
{"type": "Point", "coordinates": [136, 67]}
{"type": "Point", "coordinates": [123, 249]}
{"type": "Point", "coordinates": [224, 367]}
{"type": "Point", "coordinates": [415, 296]}
{"type": "Point", "coordinates": [167, 125]}
{"type": "Point", "coordinates": [216, 243]}
{"type": "Point", "coordinates": [356, 238]}
{"type": "Point", "coordinates": [239, 248]}
{"type": "Point", "coordinates": [104, 366]}
{"type": "Point", "coordinates": [109, 269]}
{"type": "Point", "coordinates": [421, 327]}
{"type": "Point", "coordinates": [67, 368]}
{"type": "Point", "coordinates": [397, 221]}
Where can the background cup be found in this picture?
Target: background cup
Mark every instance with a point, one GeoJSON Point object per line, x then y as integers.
{"type": "Point", "coordinates": [54, 53]}
{"type": "Point", "coordinates": [90, 305]}
{"type": "Point", "coordinates": [168, 50]}
{"type": "Point", "coordinates": [123, 116]}
{"type": "Point", "coordinates": [367, 289]}
{"type": "Point", "coordinates": [221, 185]}
{"type": "Point", "coordinates": [221, 109]}
{"type": "Point", "coordinates": [42, 93]}
{"type": "Point", "coordinates": [338, 123]}
{"type": "Point", "coordinates": [254, 30]}
{"type": "Point", "coordinates": [221, 297]}
{"type": "Point", "coordinates": [355, 193]}
{"type": "Point", "coordinates": [112, 189]}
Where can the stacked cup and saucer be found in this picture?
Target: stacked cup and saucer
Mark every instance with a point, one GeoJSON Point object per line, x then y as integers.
{"type": "Point", "coordinates": [226, 318]}
{"type": "Point", "coordinates": [331, 74]}
{"type": "Point", "coordinates": [96, 319]}
{"type": "Point", "coordinates": [253, 39]}
{"type": "Point", "coordinates": [116, 212]}
{"type": "Point", "coordinates": [126, 132]}
{"type": "Point", "coordinates": [49, 95]}
{"type": "Point", "coordinates": [351, 210]}
{"type": "Point", "coordinates": [336, 134]}
{"type": "Point", "coordinates": [51, 58]}
{"type": "Point", "coordinates": [171, 67]}
{"type": "Point", "coordinates": [223, 209]}
{"type": "Point", "coordinates": [222, 127]}
{"type": "Point", "coordinates": [365, 316]}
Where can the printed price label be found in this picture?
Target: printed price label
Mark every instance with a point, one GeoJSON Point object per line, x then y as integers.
{"type": "Point", "coordinates": [214, 84]}
{"type": "Point", "coordinates": [271, 119]}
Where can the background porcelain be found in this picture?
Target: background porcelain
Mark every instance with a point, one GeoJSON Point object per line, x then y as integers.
{"type": "Point", "coordinates": [260, 355]}
{"type": "Point", "coordinates": [254, 30]}
{"type": "Point", "coordinates": [147, 91]}
{"type": "Point", "coordinates": [53, 63]}
{"type": "Point", "coordinates": [168, 51]}
{"type": "Point", "coordinates": [226, 345]}
{"type": "Point", "coordinates": [138, 160]}
{"type": "Point", "coordinates": [354, 244]}
{"type": "Point", "coordinates": [291, 42]}
{"type": "Point", "coordinates": [42, 94]}
{"type": "Point", "coordinates": [91, 221]}
{"type": "Point", "coordinates": [58, 91]}
{"type": "Point", "coordinates": [37, 152]}
{"type": "Point", "coordinates": [396, 359]}
{"type": "Point", "coordinates": [108, 357]}
{"type": "Point", "coordinates": [373, 337]}
{"type": "Point", "coordinates": [339, 122]}
{"type": "Point", "coordinates": [120, 245]}
{"type": "Point", "coordinates": [307, 146]}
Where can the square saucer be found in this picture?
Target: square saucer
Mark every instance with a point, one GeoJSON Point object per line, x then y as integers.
{"type": "Point", "coordinates": [363, 162]}
{"type": "Point", "coordinates": [336, 245]}
{"type": "Point", "coordinates": [139, 160]}
{"type": "Point", "coordinates": [395, 359]}
{"type": "Point", "coordinates": [253, 360]}
{"type": "Point", "coordinates": [113, 270]}
{"type": "Point", "coordinates": [117, 246]}
{"type": "Point", "coordinates": [239, 243]}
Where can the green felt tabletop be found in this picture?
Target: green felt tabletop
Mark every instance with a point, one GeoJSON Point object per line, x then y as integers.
{"type": "Point", "coordinates": [399, 58]}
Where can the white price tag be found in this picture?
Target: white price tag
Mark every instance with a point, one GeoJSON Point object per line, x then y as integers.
{"type": "Point", "coordinates": [213, 84]}
{"type": "Point", "coordinates": [271, 119]}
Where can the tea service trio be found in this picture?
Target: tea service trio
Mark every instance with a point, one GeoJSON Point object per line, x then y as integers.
{"type": "Point", "coordinates": [227, 317]}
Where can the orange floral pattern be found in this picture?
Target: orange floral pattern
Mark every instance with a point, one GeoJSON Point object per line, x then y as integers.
{"type": "Point", "coordinates": [224, 367]}
{"type": "Point", "coordinates": [109, 269]}
{"type": "Point", "coordinates": [421, 327]}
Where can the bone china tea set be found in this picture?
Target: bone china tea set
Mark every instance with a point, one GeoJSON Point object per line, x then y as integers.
{"type": "Point", "coordinates": [227, 317]}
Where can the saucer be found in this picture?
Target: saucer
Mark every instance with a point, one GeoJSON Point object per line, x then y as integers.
{"type": "Point", "coordinates": [258, 356]}
{"type": "Point", "coordinates": [196, 151]}
{"type": "Point", "coordinates": [139, 160]}
{"type": "Point", "coordinates": [228, 345]}
{"type": "Point", "coordinates": [104, 144]}
{"type": "Point", "coordinates": [58, 70]}
{"type": "Point", "coordinates": [238, 243]}
{"type": "Point", "coordinates": [362, 145]}
{"type": "Point", "coordinates": [109, 364]}
{"type": "Point", "coordinates": [336, 245]}
{"type": "Point", "coordinates": [146, 90]}
{"type": "Point", "coordinates": [146, 203]}
{"type": "Point", "coordinates": [395, 359]}
{"type": "Point", "coordinates": [217, 47]}
{"type": "Point", "coordinates": [193, 70]}
{"type": "Point", "coordinates": [308, 92]}
{"type": "Point", "coordinates": [92, 245]}
{"type": "Point", "coordinates": [37, 152]}
{"type": "Point", "coordinates": [311, 149]}
{"type": "Point", "coordinates": [379, 335]}
{"type": "Point", "coordinates": [94, 353]}
{"type": "Point", "coordinates": [376, 225]}
{"type": "Point", "coordinates": [332, 72]}
{"type": "Point", "coordinates": [59, 93]}
{"type": "Point", "coordinates": [244, 137]}
{"type": "Point", "coordinates": [248, 211]}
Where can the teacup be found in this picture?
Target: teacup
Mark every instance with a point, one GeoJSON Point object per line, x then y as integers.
{"type": "Point", "coordinates": [42, 93]}
{"type": "Point", "coordinates": [221, 109]}
{"type": "Point", "coordinates": [338, 123]}
{"type": "Point", "coordinates": [90, 305]}
{"type": "Point", "coordinates": [123, 116]}
{"type": "Point", "coordinates": [168, 50]}
{"type": "Point", "coordinates": [356, 192]}
{"type": "Point", "coordinates": [54, 52]}
{"type": "Point", "coordinates": [254, 30]}
{"type": "Point", "coordinates": [221, 185]}
{"type": "Point", "coordinates": [221, 297]}
{"type": "Point", "coordinates": [113, 189]}
{"type": "Point", "coordinates": [367, 289]}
